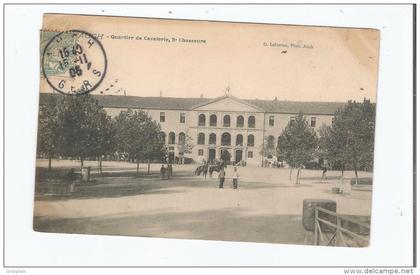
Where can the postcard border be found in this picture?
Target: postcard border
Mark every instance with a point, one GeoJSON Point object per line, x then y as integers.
{"type": "Point", "coordinates": [414, 7]}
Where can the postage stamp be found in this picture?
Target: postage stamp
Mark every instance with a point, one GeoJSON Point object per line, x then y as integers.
{"type": "Point", "coordinates": [74, 62]}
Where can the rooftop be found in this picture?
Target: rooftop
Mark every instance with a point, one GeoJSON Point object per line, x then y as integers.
{"type": "Point", "coordinates": [178, 103]}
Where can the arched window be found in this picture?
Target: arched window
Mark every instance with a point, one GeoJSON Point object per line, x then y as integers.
{"type": "Point", "coordinates": [202, 120]}
{"type": "Point", "coordinates": [239, 140]}
{"type": "Point", "coordinates": [162, 136]}
{"type": "Point", "coordinates": [226, 121]}
{"type": "Point", "coordinates": [250, 140]}
{"type": "Point", "coordinates": [240, 121]}
{"type": "Point", "coordinates": [212, 138]}
{"type": "Point", "coordinates": [181, 138]}
{"type": "Point", "coordinates": [171, 138]}
{"type": "Point", "coordinates": [226, 139]}
{"type": "Point", "coordinates": [270, 142]}
{"type": "Point", "coordinates": [213, 120]}
{"type": "Point", "coordinates": [201, 138]}
{"type": "Point", "coordinates": [251, 122]}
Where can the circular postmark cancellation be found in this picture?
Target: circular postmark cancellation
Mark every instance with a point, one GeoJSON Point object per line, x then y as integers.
{"type": "Point", "coordinates": [74, 62]}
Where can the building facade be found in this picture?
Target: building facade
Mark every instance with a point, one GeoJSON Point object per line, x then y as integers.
{"type": "Point", "coordinates": [223, 128]}
{"type": "Point", "coordinates": [226, 127]}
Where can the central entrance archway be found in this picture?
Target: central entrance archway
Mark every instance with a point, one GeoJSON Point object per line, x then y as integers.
{"type": "Point", "coordinates": [212, 154]}
{"type": "Point", "coordinates": [225, 156]}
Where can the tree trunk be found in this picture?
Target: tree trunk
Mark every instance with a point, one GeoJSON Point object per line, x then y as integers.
{"type": "Point", "coordinates": [290, 174]}
{"type": "Point", "coordinates": [100, 165]}
{"type": "Point", "coordinates": [137, 172]}
{"type": "Point", "coordinates": [297, 176]}
{"type": "Point", "coordinates": [148, 166]}
{"type": "Point", "coordinates": [342, 175]}
{"type": "Point", "coordinates": [49, 163]}
{"type": "Point", "coordinates": [357, 177]}
{"type": "Point", "coordinates": [81, 163]}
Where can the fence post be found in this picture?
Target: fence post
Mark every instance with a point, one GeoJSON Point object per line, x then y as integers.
{"type": "Point", "coordinates": [338, 230]}
{"type": "Point", "coordinates": [316, 227]}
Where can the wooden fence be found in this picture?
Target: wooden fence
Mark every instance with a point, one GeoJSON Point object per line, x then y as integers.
{"type": "Point", "coordinates": [337, 237]}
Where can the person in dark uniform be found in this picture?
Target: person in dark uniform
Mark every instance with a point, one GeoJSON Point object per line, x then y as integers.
{"type": "Point", "coordinates": [324, 173]}
{"type": "Point", "coordinates": [162, 172]}
{"type": "Point", "coordinates": [170, 170]}
{"type": "Point", "coordinates": [222, 176]}
{"type": "Point", "coordinates": [235, 178]}
{"type": "Point", "coordinates": [71, 178]}
{"type": "Point", "coordinates": [205, 170]}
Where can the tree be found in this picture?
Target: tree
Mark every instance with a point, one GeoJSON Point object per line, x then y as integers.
{"type": "Point", "coordinates": [268, 148]}
{"type": "Point", "coordinates": [49, 128]}
{"type": "Point", "coordinates": [331, 147]}
{"type": "Point", "coordinates": [297, 144]}
{"type": "Point", "coordinates": [82, 124]}
{"type": "Point", "coordinates": [139, 136]}
{"type": "Point", "coordinates": [350, 139]}
{"type": "Point", "coordinates": [106, 139]}
{"type": "Point", "coordinates": [185, 146]}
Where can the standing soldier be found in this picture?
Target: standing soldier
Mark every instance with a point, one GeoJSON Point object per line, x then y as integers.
{"type": "Point", "coordinates": [211, 170]}
{"type": "Point", "coordinates": [222, 175]}
{"type": "Point", "coordinates": [205, 169]}
{"type": "Point", "coordinates": [71, 177]}
{"type": "Point", "coordinates": [162, 172]}
{"type": "Point", "coordinates": [235, 177]}
{"type": "Point", "coordinates": [170, 170]}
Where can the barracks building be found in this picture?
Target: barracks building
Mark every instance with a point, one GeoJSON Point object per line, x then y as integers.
{"type": "Point", "coordinates": [225, 127]}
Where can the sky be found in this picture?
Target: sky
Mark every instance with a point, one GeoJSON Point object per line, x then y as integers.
{"type": "Point", "coordinates": [296, 63]}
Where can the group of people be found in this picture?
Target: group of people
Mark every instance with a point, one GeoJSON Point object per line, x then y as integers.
{"type": "Point", "coordinates": [209, 167]}
{"type": "Point", "coordinates": [235, 177]}
{"type": "Point", "coordinates": [206, 168]}
{"type": "Point", "coordinates": [166, 172]}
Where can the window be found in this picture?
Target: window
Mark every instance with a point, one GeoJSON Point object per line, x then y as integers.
{"type": "Point", "coordinates": [212, 138]}
{"type": "Point", "coordinates": [226, 139]}
{"type": "Point", "coordinates": [226, 121]}
{"type": "Point", "coordinates": [213, 120]}
{"type": "Point", "coordinates": [182, 117]}
{"type": "Point", "coordinates": [271, 121]}
{"type": "Point", "coordinates": [202, 120]}
{"type": "Point", "coordinates": [250, 140]}
{"type": "Point", "coordinates": [239, 140]}
{"type": "Point", "coordinates": [292, 119]}
{"type": "Point", "coordinates": [181, 138]}
{"type": "Point", "coordinates": [240, 121]}
{"type": "Point", "coordinates": [200, 152]}
{"type": "Point", "coordinates": [171, 138]}
{"type": "Point", "coordinates": [162, 116]}
{"type": "Point", "coordinates": [250, 154]}
{"type": "Point", "coordinates": [313, 121]}
{"type": "Point", "coordinates": [251, 122]}
{"type": "Point", "coordinates": [201, 138]}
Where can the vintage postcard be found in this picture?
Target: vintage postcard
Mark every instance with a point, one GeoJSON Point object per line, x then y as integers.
{"type": "Point", "coordinates": [206, 130]}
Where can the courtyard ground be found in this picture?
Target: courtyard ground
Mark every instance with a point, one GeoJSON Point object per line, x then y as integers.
{"type": "Point", "coordinates": [267, 207]}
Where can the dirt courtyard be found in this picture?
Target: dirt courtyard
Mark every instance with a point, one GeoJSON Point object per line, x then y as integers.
{"type": "Point", "coordinates": [267, 207]}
